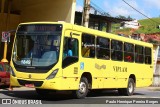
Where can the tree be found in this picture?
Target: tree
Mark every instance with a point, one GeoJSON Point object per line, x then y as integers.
{"type": "Point", "coordinates": [129, 18]}
{"type": "Point", "coordinates": [121, 17]}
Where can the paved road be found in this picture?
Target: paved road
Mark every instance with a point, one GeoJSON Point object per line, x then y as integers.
{"type": "Point", "coordinates": [66, 97]}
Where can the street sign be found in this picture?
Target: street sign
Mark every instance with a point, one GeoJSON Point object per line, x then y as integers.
{"type": "Point", "coordinates": [6, 36]}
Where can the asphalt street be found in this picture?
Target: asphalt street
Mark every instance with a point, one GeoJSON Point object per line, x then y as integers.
{"type": "Point", "coordinates": [24, 93]}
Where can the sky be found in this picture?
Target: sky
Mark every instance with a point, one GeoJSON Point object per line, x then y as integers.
{"type": "Point", "coordinates": [150, 8]}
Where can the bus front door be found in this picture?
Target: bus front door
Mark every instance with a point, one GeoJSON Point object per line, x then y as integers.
{"type": "Point", "coordinates": [70, 62]}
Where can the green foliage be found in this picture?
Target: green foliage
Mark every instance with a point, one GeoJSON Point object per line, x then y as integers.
{"type": "Point", "coordinates": [149, 26]}
{"type": "Point", "coordinates": [123, 17]}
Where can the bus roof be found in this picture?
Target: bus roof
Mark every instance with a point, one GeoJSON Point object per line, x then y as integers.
{"type": "Point", "coordinates": [79, 28]}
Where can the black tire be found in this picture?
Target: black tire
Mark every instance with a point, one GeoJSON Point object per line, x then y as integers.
{"type": "Point", "coordinates": [129, 90]}
{"type": "Point", "coordinates": [83, 89]}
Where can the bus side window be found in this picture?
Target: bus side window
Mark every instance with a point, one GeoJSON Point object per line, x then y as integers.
{"type": "Point", "coordinates": [148, 56]}
{"type": "Point", "coordinates": [117, 50]}
{"type": "Point", "coordinates": [103, 48]}
{"type": "Point", "coordinates": [128, 52]}
{"type": "Point", "coordinates": [88, 46]}
{"type": "Point", "coordinates": [139, 54]}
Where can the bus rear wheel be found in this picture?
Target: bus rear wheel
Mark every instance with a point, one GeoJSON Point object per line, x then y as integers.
{"type": "Point", "coordinates": [129, 90]}
{"type": "Point", "coordinates": [83, 89]}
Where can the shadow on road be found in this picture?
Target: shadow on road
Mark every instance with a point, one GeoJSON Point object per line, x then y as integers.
{"type": "Point", "coordinates": [59, 96]}
{"type": "Point", "coordinates": [31, 94]}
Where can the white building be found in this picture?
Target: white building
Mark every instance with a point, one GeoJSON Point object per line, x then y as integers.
{"type": "Point", "coordinates": [130, 24]}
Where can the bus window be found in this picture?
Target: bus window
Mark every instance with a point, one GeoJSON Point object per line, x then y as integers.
{"type": "Point", "coordinates": [70, 47]}
{"type": "Point", "coordinates": [88, 46]}
{"type": "Point", "coordinates": [116, 50]}
{"type": "Point", "coordinates": [139, 54]}
{"type": "Point", "coordinates": [128, 52]}
{"type": "Point", "coordinates": [103, 48]}
{"type": "Point", "coordinates": [148, 56]}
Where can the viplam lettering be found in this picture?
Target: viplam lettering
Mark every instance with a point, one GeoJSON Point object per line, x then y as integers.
{"type": "Point", "coordinates": [119, 69]}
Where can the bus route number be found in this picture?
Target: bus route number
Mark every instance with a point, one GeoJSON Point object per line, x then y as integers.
{"type": "Point", "coordinates": [26, 62]}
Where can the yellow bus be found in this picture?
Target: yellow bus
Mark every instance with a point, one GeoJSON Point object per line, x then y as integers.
{"type": "Point", "coordinates": [61, 56]}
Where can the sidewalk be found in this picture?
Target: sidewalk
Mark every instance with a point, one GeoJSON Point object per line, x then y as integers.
{"type": "Point", "coordinates": [17, 89]}
{"type": "Point", "coordinates": [23, 88]}
{"type": "Point", "coordinates": [150, 88]}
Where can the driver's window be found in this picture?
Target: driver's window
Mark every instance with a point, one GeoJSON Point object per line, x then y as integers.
{"type": "Point", "coordinates": [70, 47]}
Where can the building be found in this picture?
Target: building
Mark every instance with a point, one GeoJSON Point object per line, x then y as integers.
{"type": "Point", "coordinates": [99, 21]}
{"type": "Point", "coordinates": [156, 72]}
{"type": "Point", "coordinates": [130, 24]}
{"type": "Point", "coordinates": [13, 12]}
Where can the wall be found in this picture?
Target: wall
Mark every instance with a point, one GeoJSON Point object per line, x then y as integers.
{"type": "Point", "coordinates": [48, 10]}
{"type": "Point", "coordinates": [35, 10]}
{"type": "Point", "coordinates": [156, 72]}
{"type": "Point", "coordinates": [13, 21]}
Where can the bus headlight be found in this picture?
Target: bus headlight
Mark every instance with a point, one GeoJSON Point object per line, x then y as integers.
{"type": "Point", "coordinates": [52, 75]}
{"type": "Point", "coordinates": [12, 72]}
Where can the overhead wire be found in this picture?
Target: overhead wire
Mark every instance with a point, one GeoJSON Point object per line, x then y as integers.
{"type": "Point", "coordinates": [140, 12]}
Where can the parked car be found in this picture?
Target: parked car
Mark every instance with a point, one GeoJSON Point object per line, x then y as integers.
{"type": "Point", "coordinates": [4, 74]}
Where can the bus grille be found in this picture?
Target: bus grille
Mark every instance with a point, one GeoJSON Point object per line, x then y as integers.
{"type": "Point", "coordinates": [36, 83]}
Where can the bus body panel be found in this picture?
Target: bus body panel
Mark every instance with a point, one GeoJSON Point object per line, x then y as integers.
{"type": "Point", "coordinates": [104, 73]}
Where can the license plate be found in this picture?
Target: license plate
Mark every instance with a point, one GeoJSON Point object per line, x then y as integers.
{"type": "Point", "coordinates": [29, 85]}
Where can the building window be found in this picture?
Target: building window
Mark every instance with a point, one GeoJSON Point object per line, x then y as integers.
{"type": "Point", "coordinates": [148, 57]}
{"type": "Point", "coordinates": [103, 48]}
{"type": "Point", "coordinates": [116, 50]}
{"type": "Point", "coordinates": [88, 46]}
{"type": "Point", "coordinates": [139, 54]}
{"type": "Point", "coordinates": [128, 52]}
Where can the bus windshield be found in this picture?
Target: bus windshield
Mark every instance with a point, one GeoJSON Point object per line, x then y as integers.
{"type": "Point", "coordinates": [37, 45]}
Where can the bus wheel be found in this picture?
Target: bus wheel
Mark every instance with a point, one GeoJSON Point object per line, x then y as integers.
{"type": "Point", "coordinates": [83, 89]}
{"type": "Point", "coordinates": [129, 90]}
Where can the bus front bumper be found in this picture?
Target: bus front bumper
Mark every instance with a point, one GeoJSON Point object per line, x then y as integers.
{"type": "Point", "coordinates": [31, 83]}
{"type": "Point", "coordinates": [53, 84]}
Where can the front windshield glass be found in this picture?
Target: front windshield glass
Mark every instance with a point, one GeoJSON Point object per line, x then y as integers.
{"type": "Point", "coordinates": [37, 45]}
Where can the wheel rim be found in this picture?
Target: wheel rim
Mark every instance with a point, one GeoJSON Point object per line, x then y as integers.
{"type": "Point", "coordinates": [130, 88]}
{"type": "Point", "coordinates": [82, 87]}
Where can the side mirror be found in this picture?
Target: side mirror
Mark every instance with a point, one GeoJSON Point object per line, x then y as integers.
{"type": "Point", "coordinates": [69, 60]}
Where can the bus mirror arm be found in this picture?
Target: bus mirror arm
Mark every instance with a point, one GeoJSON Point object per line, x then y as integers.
{"type": "Point", "coordinates": [71, 34]}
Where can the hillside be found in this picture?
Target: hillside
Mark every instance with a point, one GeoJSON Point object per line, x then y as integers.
{"type": "Point", "coordinates": [148, 26]}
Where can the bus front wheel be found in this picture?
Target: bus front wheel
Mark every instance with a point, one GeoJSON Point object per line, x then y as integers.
{"type": "Point", "coordinates": [83, 89]}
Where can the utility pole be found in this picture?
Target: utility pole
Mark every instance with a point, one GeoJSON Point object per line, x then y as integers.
{"type": "Point", "coordinates": [7, 24]}
{"type": "Point", "coordinates": [85, 14]}
{"type": "Point", "coordinates": [2, 6]}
